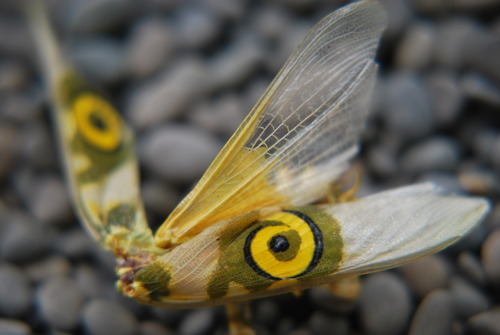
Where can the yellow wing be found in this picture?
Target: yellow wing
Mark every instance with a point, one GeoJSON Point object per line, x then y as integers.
{"type": "Point", "coordinates": [300, 135]}
{"type": "Point", "coordinates": [98, 152]}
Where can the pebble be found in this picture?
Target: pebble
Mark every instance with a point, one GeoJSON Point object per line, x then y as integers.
{"type": "Point", "coordinates": [234, 65]}
{"type": "Point", "coordinates": [149, 45]}
{"type": "Point", "coordinates": [50, 201]}
{"type": "Point", "coordinates": [60, 302]}
{"type": "Point", "coordinates": [446, 96]}
{"type": "Point", "coordinates": [266, 312]}
{"type": "Point", "coordinates": [415, 49]}
{"type": "Point", "coordinates": [159, 197]}
{"type": "Point", "coordinates": [179, 154]}
{"type": "Point", "coordinates": [104, 317]}
{"type": "Point", "coordinates": [337, 297]}
{"type": "Point", "coordinates": [98, 15]}
{"type": "Point", "coordinates": [434, 315]}
{"type": "Point", "coordinates": [426, 275]}
{"type": "Point", "coordinates": [168, 95]}
{"type": "Point", "coordinates": [197, 27]}
{"type": "Point", "coordinates": [24, 239]}
{"type": "Point", "coordinates": [437, 153]}
{"type": "Point", "coordinates": [197, 322]}
{"type": "Point", "coordinates": [75, 243]}
{"type": "Point", "coordinates": [14, 327]}
{"type": "Point", "coordinates": [153, 328]}
{"type": "Point", "coordinates": [101, 59]}
{"type": "Point", "coordinates": [484, 57]}
{"type": "Point", "coordinates": [477, 87]}
{"type": "Point", "coordinates": [271, 23]}
{"type": "Point", "coordinates": [407, 106]}
{"type": "Point", "coordinates": [385, 304]}
{"type": "Point", "coordinates": [13, 76]}
{"type": "Point", "coordinates": [486, 323]}
{"type": "Point", "coordinates": [22, 106]}
{"type": "Point", "coordinates": [90, 281]}
{"type": "Point", "coordinates": [467, 300]}
{"type": "Point", "coordinates": [228, 9]}
{"type": "Point", "coordinates": [15, 292]}
{"type": "Point", "coordinates": [491, 257]}
{"type": "Point", "coordinates": [37, 145]}
{"type": "Point", "coordinates": [470, 266]}
{"type": "Point", "coordinates": [321, 323]}
{"type": "Point", "coordinates": [9, 146]}
{"type": "Point", "coordinates": [51, 266]}
{"type": "Point", "coordinates": [382, 161]}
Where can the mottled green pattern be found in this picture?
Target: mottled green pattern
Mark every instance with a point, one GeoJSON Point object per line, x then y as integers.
{"type": "Point", "coordinates": [155, 277]}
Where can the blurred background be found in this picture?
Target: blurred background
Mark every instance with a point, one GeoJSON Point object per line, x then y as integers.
{"type": "Point", "coordinates": [184, 74]}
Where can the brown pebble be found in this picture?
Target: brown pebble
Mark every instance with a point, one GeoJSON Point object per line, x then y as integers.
{"type": "Point", "coordinates": [491, 257]}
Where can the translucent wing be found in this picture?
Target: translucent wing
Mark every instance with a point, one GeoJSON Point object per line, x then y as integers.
{"type": "Point", "coordinates": [301, 133]}
{"type": "Point", "coordinates": [97, 148]}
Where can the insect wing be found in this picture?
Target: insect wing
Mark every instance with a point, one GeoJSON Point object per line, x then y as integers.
{"type": "Point", "coordinates": [300, 135]}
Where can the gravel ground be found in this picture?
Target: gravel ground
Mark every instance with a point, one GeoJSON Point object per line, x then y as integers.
{"type": "Point", "coordinates": [185, 73]}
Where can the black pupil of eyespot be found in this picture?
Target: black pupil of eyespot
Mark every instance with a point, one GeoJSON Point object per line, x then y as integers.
{"type": "Point", "coordinates": [279, 243]}
{"type": "Point", "coordinates": [97, 121]}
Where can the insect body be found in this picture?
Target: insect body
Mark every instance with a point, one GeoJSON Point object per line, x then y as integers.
{"type": "Point", "coordinates": [248, 228]}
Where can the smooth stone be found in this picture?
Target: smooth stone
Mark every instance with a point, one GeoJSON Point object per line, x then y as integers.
{"type": "Point", "coordinates": [24, 239]}
{"type": "Point", "coordinates": [434, 315]}
{"type": "Point", "coordinates": [470, 266]}
{"type": "Point", "coordinates": [266, 312]}
{"type": "Point", "coordinates": [167, 95]}
{"type": "Point", "coordinates": [426, 275]}
{"type": "Point", "coordinates": [60, 303]}
{"type": "Point", "coordinates": [50, 201]}
{"type": "Point", "coordinates": [101, 59]}
{"type": "Point", "coordinates": [407, 109]}
{"type": "Point", "coordinates": [149, 45]}
{"type": "Point", "coordinates": [51, 266]}
{"type": "Point", "coordinates": [235, 64]}
{"type": "Point", "coordinates": [104, 317]}
{"type": "Point", "coordinates": [13, 75]}
{"type": "Point", "coordinates": [436, 153]}
{"type": "Point", "coordinates": [416, 48]}
{"type": "Point", "coordinates": [476, 87]}
{"type": "Point", "coordinates": [37, 146]}
{"type": "Point", "coordinates": [271, 23]}
{"type": "Point", "coordinates": [221, 116]}
{"type": "Point", "coordinates": [90, 281]}
{"type": "Point", "coordinates": [467, 300]}
{"type": "Point", "coordinates": [15, 291]}
{"type": "Point", "coordinates": [14, 327]}
{"type": "Point", "coordinates": [382, 161]}
{"type": "Point", "coordinates": [75, 243]}
{"type": "Point", "coordinates": [159, 197]}
{"type": "Point", "coordinates": [340, 296]}
{"type": "Point", "coordinates": [153, 328]}
{"type": "Point", "coordinates": [385, 304]}
{"type": "Point", "coordinates": [91, 16]}
{"type": "Point", "coordinates": [22, 106]}
{"type": "Point", "coordinates": [228, 9]}
{"type": "Point", "coordinates": [486, 323]}
{"type": "Point", "coordinates": [321, 323]}
{"type": "Point", "coordinates": [446, 96]}
{"type": "Point", "coordinates": [197, 322]}
{"type": "Point", "coordinates": [491, 257]}
{"type": "Point", "coordinates": [399, 13]}
{"type": "Point", "coordinates": [197, 27]}
{"type": "Point", "coordinates": [178, 154]}
{"type": "Point", "coordinates": [473, 5]}
{"type": "Point", "coordinates": [9, 148]}
{"type": "Point", "coordinates": [484, 56]}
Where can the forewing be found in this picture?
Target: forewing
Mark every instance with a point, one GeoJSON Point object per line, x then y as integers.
{"type": "Point", "coordinates": [301, 133]}
{"type": "Point", "coordinates": [97, 148]}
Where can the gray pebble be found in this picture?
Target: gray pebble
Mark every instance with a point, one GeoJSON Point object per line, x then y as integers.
{"type": "Point", "coordinates": [407, 107]}
{"type": "Point", "coordinates": [385, 304]}
{"type": "Point", "coordinates": [485, 54]}
{"type": "Point", "coordinates": [50, 201]}
{"type": "Point", "coordinates": [426, 275]}
{"type": "Point", "coordinates": [98, 15]}
{"type": "Point", "coordinates": [197, 322]}
{"type": "Point", "coordinates": [197, 27]}
{"type": "Point", "coordinates": [151, 42]}
{"type": "Point", "coordinates": [236, 64]}
{"type": "Point", "coordinates": [415, 49]}
{"type": "Point", "coordinates": [471, 5]}
{"type": "Point", "coordinates": [153, 328]}
{"type": "Point", "coordinates": [24, 239]}
{"type": "Point", "coordinates": [104, 317]}
{"type": "Point", "coordinates": [272, 23]}
{"type": "Point", "coordinates": [75, 243]}
{"type": "Point", "coordinates": [14, 327]}
{"type": "Point", "coordinates": [168, 95]}
{"type": "Point", "coordinates": [266, 312]}
{"type": "Point", "coordinates": [101, 59]}
{"type": "Point", "coordinates": [434, 316]}
{"type": "Point", "coordinates": [477, 87]}
{"type": "Point", "coordinates": [228, 9]}
{"type": "Point", "coordinates": [221, 116]}
{"type": "Point", "coordinates": [21, 106]}
{"type": "Point", "coordinates": [60, 303]}
{"type": "Point", "coordinates": [90, 281]}
{"type": "Point", "coordinates": [9, 147]}
{"type": "Point", "coordinates": [399, 13]}
{"type": "Point", "coordinates": [467, 300]}
{"type": "Point", "coordinates": [471, 268]}
{"type": "Point", "coordinates": [178, 153]}
{"type": "Point", "coordinates": [446, 96]}
{"type": "Point", "coordinates": [15, 291]}
{"type": "Point", "coordinates": [159, 198]}
{"type": "Point", "coordinates": [486, 323]}
{"type": "Point", "coordinates": [382, 161]}
{"type": "Point", "coordinates": [37, 145]}
{"type": "Point", "coordinates": [321, 323]}
{"type": "Point", "coordinates": [52, 266]}
{"type": "Point", "coordinates": [490, 257]}
{"type": "Point", "coordinates": [437, 153]}
{"type": "Point", "coordinates": [13, 75]}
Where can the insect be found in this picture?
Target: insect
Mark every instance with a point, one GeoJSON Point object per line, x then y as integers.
{"type": "Point", "coordinates": [257, 223]}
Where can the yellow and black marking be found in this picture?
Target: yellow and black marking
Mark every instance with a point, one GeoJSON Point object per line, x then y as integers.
{"type": "Point", "coordinates": [296, 244]}
{"type": "Point", "coordinates": [97, 122]}
{"type": "Point", "coordinates": [289, 248]}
